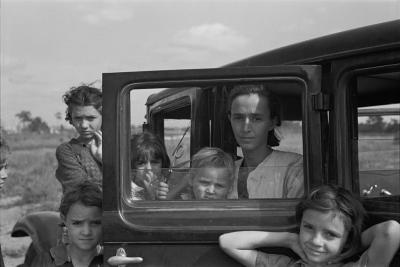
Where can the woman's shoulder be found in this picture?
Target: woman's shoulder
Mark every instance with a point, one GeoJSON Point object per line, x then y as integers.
{"type": "Point", "coordinates": [286, 156]}
{"type": "Point", "coordinates": [67, 147]}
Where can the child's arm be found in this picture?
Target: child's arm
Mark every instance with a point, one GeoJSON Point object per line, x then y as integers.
{"type": "Point", "coordinates": [241, 245]}
{"type": "Point", "coordinates": [382, 240]}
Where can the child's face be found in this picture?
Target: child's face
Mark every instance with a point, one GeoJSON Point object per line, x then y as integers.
{"type": "Point", "coordinates": [147, 172]}
{"type": "Point", "coordinates": [211, 183]}
{"type": "Point", "coordinates": [322, 235]}
{"type": "Point", "coordinates": [86, 120]}
{"type": "Point", "coordinates": [84, 226]}
{"type": "Point", "coordinates": [3, 172]}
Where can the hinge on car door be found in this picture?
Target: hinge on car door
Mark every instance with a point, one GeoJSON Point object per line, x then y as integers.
{"type": "Point", "coordinates": [321, 102]}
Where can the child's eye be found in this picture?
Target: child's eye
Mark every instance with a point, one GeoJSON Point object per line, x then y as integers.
{"type": "Point", "coordinates": [331, 235]}
{"type": "Point", "coordinates": [238, 117]}
{"type": "Point", "coordinates": [76, 223]}
{"type": "Point", "coordinates": [307, 226]}
{"type": "Point", "coordinates": [219, 186]}
{"type": "Point", "coordinates": [96, 222]}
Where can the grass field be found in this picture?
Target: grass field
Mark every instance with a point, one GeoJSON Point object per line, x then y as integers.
{"type": "Point", "coordinates": [31, 186]}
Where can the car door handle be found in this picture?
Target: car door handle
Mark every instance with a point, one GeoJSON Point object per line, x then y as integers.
{"type": "Point", "coordinates": [120, 259]}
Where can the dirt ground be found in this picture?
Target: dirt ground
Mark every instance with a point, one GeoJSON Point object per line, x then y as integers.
{"type": "Point", "coordinates": [13, 249]}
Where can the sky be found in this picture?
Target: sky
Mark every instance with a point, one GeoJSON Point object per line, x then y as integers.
{"type": "Point", "coordinates": [50, 46]}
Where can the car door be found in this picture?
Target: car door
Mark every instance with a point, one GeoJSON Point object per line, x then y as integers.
{"type": "Point", "coordinates": [185, 233]}
{"type": "Point", "coordinates": [365, 130]}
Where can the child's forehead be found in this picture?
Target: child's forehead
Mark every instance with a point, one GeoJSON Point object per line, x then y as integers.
{"type": "Point", "coordinates": [80, 210]}
{"type": "Point", "coordinates": [212, 172]}
{"type": "Point", "coordinates": [331, 217]}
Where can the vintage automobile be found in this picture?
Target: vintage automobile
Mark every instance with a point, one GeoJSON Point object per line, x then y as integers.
{"type": "Point", "coordinates": [327, 86]}
{"type": "Point", "coordinates": [331, 89]}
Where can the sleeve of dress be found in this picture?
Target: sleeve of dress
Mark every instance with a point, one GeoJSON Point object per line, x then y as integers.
{"type": "Point", "coordinates": [295, 179]}
{"type": "Point", "coordinates": [362, 261]}
{"type": "Point", "coordinates": [272, 260]}
{"type": "Point", "coordinates": [69, 170]}
{"type": "Point", "coordinates": [43, 259]}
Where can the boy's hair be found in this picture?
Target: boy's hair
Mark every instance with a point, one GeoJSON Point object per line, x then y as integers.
{"type": "Point", "coordinates": [85, 192]}
{"type": "Point", "coordinates": [147, 146]}
{"type": "Point", "coordinates": [211, 157]}
{"type": "Point", "coordinates": [273, 102]}
{"type": "Point", "coordinates": [83, 95]}
{"type": "Point", "coordinates": [334, 198]}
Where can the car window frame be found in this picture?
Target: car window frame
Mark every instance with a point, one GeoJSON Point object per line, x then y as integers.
{"type": "Point", "coordinates": [229, 211]}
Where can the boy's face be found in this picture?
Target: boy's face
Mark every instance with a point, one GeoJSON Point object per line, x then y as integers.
{"type": "Point", "coordinates": [84, 226]}
{"type": "Point", "coordinates": [3, 172]}
{"type": "Point", "coordinates": [211, 183]}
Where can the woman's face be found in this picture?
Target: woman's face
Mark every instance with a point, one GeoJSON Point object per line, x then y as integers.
{"type": "Point", "coordinates": [86, 120]}
{"type": "Point", "coordinates": [251, 121]}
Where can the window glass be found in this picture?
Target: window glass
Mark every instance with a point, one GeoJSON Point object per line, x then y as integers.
{"type": "Point", "coordinates": [379, 150]}
{"type": "Point", "coordinates": [162, 165]}
{"type": "Point", "coordinates": [177, 141]}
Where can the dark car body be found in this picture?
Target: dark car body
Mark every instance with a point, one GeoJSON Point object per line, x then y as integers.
{"type": "Point", "coordinates": [338, 75]}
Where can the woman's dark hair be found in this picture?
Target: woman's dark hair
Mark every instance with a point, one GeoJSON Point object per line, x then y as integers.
{"type": "Point", "coordinates": [273, 103]}
{"type": "Point", "coordinates": [82, 96]}
{"type": "Point", "coordinates": [85, 192]}
{"type": "Point", "coordinates": [147, 146]}
{"type": "Point", "coordinates": [334, 198]}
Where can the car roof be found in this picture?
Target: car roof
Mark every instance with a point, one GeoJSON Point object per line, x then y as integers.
{"type": "Point", "coordinates": [377, 37]}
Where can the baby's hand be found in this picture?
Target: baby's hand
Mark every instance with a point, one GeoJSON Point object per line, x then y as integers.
{"type": "Point", "coordinates": [96, 146]}
{"type": "Point", "coordinates": [162, 191]}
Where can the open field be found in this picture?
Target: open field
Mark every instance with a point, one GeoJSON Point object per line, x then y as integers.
{"type": "Point", "coordinates": [31, 186]}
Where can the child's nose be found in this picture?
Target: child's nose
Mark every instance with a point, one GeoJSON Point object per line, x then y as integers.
{"type": "Point", "coordinates": [85, 124]}
{"type": "Point", "coordinates": [317, 239]}
{"type": "Point", "coordinates": [3, 173]}
{"type": "Point", "coordinates": [148, 165]}
{"type": "Point", "coordinates": [86, 230]}
{"type": "Point", "coordinates": [211, 189]}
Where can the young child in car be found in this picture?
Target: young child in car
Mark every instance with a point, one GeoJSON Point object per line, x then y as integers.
{"type": "Point", "coordinates": [330, 221]}
{"type": "Point", "coordinates": [210, 177]}
{"type": "Point", "coordinates": [80, 212]}
{"type": "Point", "coordinates": [149, 159]}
